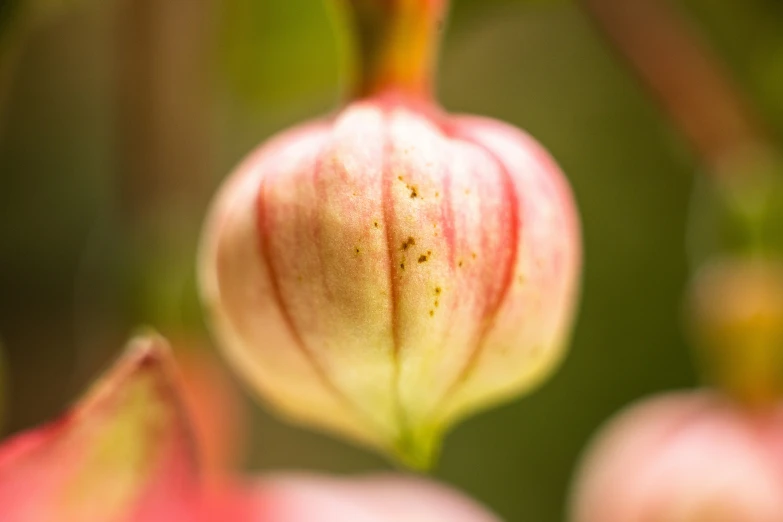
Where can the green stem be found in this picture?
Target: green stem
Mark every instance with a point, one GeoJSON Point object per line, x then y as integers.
{"type": "Point", "coordinates": [394, 44]}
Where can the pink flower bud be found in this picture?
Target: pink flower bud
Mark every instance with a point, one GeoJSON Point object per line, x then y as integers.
{"type": "Point", "coordinates": [380, 498]}
{"type": "Point", "coordinates": [125, 454]}
{"type": "Point", "coordinates": [385, 271]}
{"type": "Point", "coordinates": [684, 458]}
{"type": "Point", "coordinates": [122, 454]}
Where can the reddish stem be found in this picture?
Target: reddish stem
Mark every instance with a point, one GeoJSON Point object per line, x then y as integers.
{"type": "Point", "coordinates": [684, 76]}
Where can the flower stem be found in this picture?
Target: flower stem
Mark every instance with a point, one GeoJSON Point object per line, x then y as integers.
{"type": "Point", "coordinates": [394, 45]}
{"type": "Point", "coordinates": [686, 78]}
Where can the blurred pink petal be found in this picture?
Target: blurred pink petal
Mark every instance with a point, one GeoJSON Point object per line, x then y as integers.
{"type": "Point", "coordinates": [684, 458]}
{"type": "Point", "coordinates": [123, 453]}
{"type": "Point", "coordinates": [214, 405]}
{"type": "Point", "coordinates": [379, 498]}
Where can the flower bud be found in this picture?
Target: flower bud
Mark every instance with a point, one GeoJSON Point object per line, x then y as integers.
{"type": "Point", "coordinates": [382, 272]}
{"type": "Point", "coordinates": [122, 454]}
{"type": "Point", "coordinates": [684, 458]}
{"type": "Point", "coordinates": [125, 453]}
{"type": "Point", "coordinates": [736, 317]}
{"type": "Point", "coordinates": [373, 498]}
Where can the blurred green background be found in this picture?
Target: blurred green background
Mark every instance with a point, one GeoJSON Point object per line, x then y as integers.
{"type": "Point", "coordinates": [121, 117]}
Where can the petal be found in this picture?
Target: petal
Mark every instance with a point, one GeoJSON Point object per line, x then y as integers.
{"type": "Point", "coordinates": [124, 452]}
{"type": "Point", "coordinates": [379, 498]}
{"type": "Point", "coordinates": [684, 457]}
{"type": "Point", "coordinates": [214, 405]}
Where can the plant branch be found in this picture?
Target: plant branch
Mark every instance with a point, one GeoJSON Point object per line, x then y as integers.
{"type": "Point", "coordinates": [686, 78]}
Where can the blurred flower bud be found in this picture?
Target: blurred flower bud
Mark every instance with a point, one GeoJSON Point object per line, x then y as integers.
{"type": "Point", "coordinates": [684, 458]}
{"type": "Point", "coordinates": [736, 312]}
{"type": "Point", "coordinates": [122, 454]}
{"type": "Point", "coordinates": [379, 498]}
{"type": "Point", "coordinates": [382, 272]}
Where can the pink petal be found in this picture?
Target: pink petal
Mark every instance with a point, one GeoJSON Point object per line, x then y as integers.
{"type": "Point", "coordinates": [123, 453]}
{"type": "Point", "coordinates": [214, 405]}
{"type": "Point", "coordinates": [684, 457]}
{"type": "Point", "coordinates": [379, 498]}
